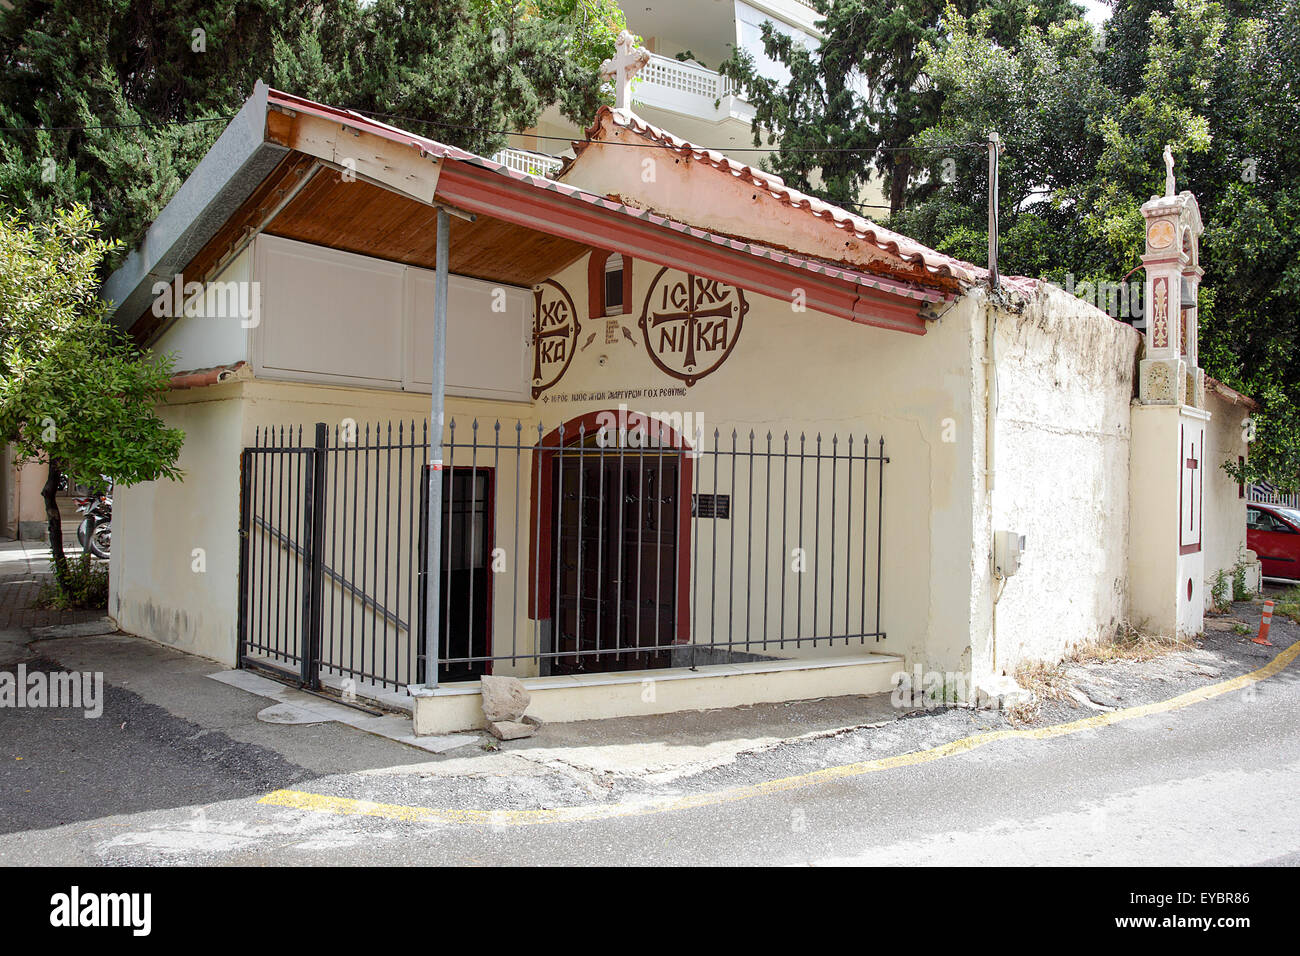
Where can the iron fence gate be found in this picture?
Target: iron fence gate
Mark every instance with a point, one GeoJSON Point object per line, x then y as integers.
{"type": "Point", "coordinates": [590, 547]}
{"type": "Point", "coordinates": [329, 534]}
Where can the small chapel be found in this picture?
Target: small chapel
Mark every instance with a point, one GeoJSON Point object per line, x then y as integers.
{"type": "Point", "coordinates": [694, 429]}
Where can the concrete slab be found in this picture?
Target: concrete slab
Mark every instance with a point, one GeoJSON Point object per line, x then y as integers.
{"type": "Point", "coordinates": [454, 707]}
{"type": "Point", "coordinates": [251, 682]}
{"type": "Point", "coordinates": [439, 745]}
{"type": "Point", "coordinates": [80, 629]}
{"type": "Point", "coordinates": [665, 747]}
{"type": "Point", "coordinates": [296, 707]}
{"type": "Point", "coordinates": [289, 714]}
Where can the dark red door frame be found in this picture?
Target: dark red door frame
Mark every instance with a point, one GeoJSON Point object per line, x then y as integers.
{"type": "Point", "coordinates": [488, 544]}
{"type": "Point", "coordinates": [1197, 500]}
{"type": "Point", "coordinates": [541, 534]}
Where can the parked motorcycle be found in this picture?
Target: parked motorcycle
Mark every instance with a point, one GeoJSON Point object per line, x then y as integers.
{"type": "Point", "coordinates": [95, 532]}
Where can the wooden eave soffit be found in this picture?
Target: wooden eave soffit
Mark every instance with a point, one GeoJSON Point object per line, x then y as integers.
{"type": "Point", "coordinates": [386, 163]}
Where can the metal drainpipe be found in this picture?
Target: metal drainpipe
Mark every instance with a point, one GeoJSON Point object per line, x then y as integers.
{"type": "Point", "coordinates": [991, 379]}
{"type": "Point", "coordinates": [990, 453]}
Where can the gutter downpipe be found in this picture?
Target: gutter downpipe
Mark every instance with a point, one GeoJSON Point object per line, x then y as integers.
{"type": "Point", "coordinates": [991, 382]}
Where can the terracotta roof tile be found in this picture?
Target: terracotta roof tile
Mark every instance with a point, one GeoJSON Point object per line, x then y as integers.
{"type": "Point", "coordinates": [884, 239]}
{"type": "Point", "coordinates": [941, 264]}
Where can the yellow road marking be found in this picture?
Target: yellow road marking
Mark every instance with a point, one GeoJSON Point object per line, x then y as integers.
{"type": "Point", "coordinates": [346, 806]}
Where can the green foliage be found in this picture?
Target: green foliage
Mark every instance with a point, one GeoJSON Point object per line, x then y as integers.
{"type": "Point", "coordinates": [1288, 605]}
{"type": "Point", "coordinates": [862, 93]}
{"type": "Point", "coordinates": [1085, 115]}
{"type": "Point", "coordinates": [84, 586]}
{"type": "Point", "coordinates": [1219, 591]}
{"type": "Point", "coordinates": [1239, 590]}
{"type": "Point", "coordinates": [1231, 585]}
{"type": "Point", "coordinates": [72, 390]}
{"type": "Point", "coordinates": [591, 26]}
{"type": "Point", "coordinates": [461, 66]}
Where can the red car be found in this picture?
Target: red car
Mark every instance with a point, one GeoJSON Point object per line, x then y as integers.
{"type": "Point", "coordinates": [1273, 533]}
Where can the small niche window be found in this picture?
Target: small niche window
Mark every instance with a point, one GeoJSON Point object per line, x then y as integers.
{"type": "Point", "coordinates": [614, 285]}
{"type": "Point", "coordinates": [609, 277]}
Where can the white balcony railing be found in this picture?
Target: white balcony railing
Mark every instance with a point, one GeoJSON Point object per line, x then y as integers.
{"type": "Point", "coordinates": [669, 74]}
{"type": "Point", "coordinates": [525, 161]}
{"type": "Point", "coordinates": [687, 89]}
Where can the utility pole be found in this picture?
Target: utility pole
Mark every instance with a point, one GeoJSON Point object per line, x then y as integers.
{"type": "Point", "coordinates": [995, 147]}
{"type": "Point", "coordinates": [433, 561]}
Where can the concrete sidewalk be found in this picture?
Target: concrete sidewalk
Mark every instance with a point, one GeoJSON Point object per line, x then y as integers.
{"type": "Point", "coordinates": [653, 749]}
{"type": "Point", "coordinates": [179, 765]}
{"type": "Point", "coordinates": [181, 769]}
{"type": "Point", "coordinates": [24, 568]}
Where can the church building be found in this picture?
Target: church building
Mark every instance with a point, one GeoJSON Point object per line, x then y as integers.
{"type": "Point", "coordinates": [707, 440]}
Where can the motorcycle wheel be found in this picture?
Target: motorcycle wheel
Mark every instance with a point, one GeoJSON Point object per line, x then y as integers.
{"type": "Point", "coordinates": [101, 540]}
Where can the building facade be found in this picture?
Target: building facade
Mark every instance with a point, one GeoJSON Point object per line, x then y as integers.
{"type": "Point", "coordinates": [708, 440]}
{"type": "Point", "coordinates": [680, 88]}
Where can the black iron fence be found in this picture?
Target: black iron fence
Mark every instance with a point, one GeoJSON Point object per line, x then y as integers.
{"type": "Point", "coordinates": [594, 547]}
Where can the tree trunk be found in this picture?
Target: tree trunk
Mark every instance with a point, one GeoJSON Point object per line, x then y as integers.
{"type": "Point", "coordinates": [898, 184]}
{"type": "Point", "coordinates": [55, 520]}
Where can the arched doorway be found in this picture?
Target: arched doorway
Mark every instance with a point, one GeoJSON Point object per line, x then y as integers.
{"type": "Point", "coordinates": [611, 543]}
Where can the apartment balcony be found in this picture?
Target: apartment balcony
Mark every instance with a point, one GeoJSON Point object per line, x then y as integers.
{"type": "Point", "coordinates": [686, 90]}
{"type": "Point", "coordinates": [526, 161]}
{"type": "Point", "coordinates": [689, 101]}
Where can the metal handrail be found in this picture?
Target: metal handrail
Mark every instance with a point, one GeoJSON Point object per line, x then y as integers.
{"type": "Point", "coordinates": [366, 600]}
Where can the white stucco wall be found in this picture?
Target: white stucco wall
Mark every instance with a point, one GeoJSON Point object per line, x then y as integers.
{"type": "Point", "coordinates": [1060, 477]}
{"type": "Point", "coordinates": [1063, 449]}
{"type": "Point", "coordinates": [809, 372]}
{"type": "Point", "coordinates": [1225, 507]}
{"type": "Point", "coordinates": [199, 340]}
{"type": "Point", "coordinates": [156, 592]}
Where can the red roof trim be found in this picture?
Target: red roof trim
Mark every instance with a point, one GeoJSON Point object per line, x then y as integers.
{"type": "Point", "coordinates": [1231, 394]}
{"type": "Point", "coordinates": [481, 185]}
{"type": "Point", "coordinates": [581, 217]}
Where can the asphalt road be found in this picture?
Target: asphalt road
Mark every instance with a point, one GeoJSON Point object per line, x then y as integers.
{"type": "Point", "coordinates": [178, 768]}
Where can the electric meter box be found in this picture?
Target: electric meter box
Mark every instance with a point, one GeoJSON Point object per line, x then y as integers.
{"type": "Point", "coordinates": [1007, 549]}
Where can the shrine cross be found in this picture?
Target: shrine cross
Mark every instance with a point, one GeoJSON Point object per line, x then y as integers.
{"type": "Point", "coordinates": [628, 60]}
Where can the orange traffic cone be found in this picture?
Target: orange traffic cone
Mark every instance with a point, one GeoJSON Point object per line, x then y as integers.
{"type": "Point", "coordinates": [1264, 623]}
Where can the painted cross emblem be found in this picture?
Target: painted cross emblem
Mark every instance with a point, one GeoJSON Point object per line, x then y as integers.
{"type": "Point", "coordinates": [1191, 491]}
{"type": "Point", "coordinates": [555, 334]}
{"type": "Point", "coordinates": [690, 324]}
